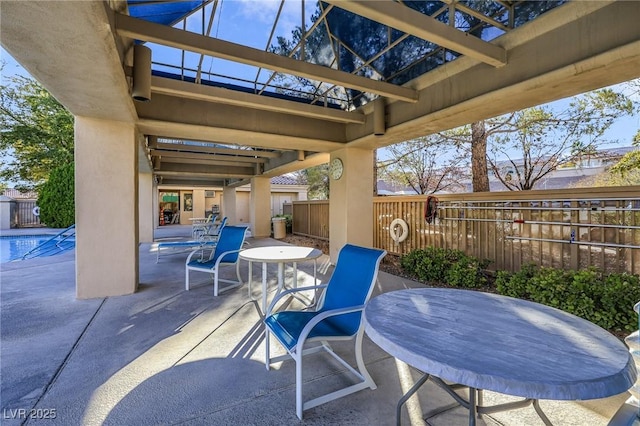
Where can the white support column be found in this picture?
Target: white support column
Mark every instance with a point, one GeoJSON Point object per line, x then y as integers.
{"type": "Point", "coordinates": [229, 207]}
{"type": "Point", "coordinates": [260, 207]}
{"type": "Point", "coordinates": [145, 206]}
{"type": "Point", "coordinates": [351, 201]}
{"type": "Point", "coordinates": [106, 170]}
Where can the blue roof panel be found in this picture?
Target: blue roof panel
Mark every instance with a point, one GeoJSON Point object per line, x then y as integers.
{"type": "Point", "coordinates": [166, 13]}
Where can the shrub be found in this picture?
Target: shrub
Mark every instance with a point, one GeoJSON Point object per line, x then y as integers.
{"type": "Point", "coordinates": [620, 293]}
{"type": "Point", "coordinates": [604, 300]}
{"type": "Point", "coordinates": [466, 272]}
{"type": "Point", "coordinates": [515, 284]}
{"type": "Point", "coordinates": [56, 198]}
{"type": "Point", "coordinates": [444, 265]}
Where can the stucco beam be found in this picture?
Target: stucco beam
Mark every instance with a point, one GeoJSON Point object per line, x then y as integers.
{"type": "Point", "coordinates": [213, 158]}
{"type": "Point", "coordinates": [227, 151]}
{"type": "Point", "coordinates": [182, 181]}
{"type": "Point", "coordinates": [291, 164]}
{"type": "Point", "coordinates": [220, 95]}
{"type": "Point", "coordinates": [53, 41]}
{"type": "Point", "coordinates": [192, 42]}
{"type": "Point", "coordinates": [234, 118]}
{"type": "Point", "coordinates": [203, 161]}
{"type": "Point", "coordinates": [198, 170]}
{"type": "Point", "coordinates": [234, 136]}
{"type": "Point", "coordinates": [412, 22]}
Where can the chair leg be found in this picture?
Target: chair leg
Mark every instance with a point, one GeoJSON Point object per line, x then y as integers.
{"type": "Point", "coordinates": [267, 348]}
{"type": "Point", "coordinates": [362, 368]}
{"type": "Point", "coordinates": [298, 360]}
{"type": "Point", "coordinates": [215, 284]}
{"type": "Point", "coordinates": [186, 279]}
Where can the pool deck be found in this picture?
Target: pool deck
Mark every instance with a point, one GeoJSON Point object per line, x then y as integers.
{"type": "Point", "coordinates": [169, 356]}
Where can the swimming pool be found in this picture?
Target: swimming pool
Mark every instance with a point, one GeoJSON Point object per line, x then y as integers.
{"type": "Point", "coordinates": [15, 247]}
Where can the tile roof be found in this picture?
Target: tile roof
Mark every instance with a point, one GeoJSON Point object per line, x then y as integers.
{"type": "Point", "coordinates": [285, 180]}
{"type": "Point", "coordinates": [14, 193]}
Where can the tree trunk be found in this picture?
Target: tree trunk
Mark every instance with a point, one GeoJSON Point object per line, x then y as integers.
{"type": "Point", "coordinates": [480, 174]}
{"type": "Point", "coordinates": [375, 172]}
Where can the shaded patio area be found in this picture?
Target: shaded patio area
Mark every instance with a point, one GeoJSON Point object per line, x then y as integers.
{"type": "Point", "coordinates": [168, 356]}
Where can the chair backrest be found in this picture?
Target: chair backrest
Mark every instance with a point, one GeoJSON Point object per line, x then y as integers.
{"type": "Point", "coordinates": [211, 218]}
{"type": "Point", "coordinates": [231, 238]}
{"type": "Point", "coordinates": [221, 225]}
{"type": "Point", "coordinates": [352, 282]}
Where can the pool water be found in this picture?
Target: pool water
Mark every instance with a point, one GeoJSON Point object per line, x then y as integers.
{"type": "Point", "coordinates": [14, 247]}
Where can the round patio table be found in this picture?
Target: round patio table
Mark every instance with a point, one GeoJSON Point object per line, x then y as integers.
{"type": "Point", "coordinates": [279, 255]}
{"type": "Point", "coordinates": [498, 343]}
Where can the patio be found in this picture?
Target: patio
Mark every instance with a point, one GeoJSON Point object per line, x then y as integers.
{"type": "Point", "coordinates": [167, 356]}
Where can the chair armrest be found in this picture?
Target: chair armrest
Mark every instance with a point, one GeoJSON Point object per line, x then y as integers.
{"type": "Point", "coordinates": [292, 290]}
{"type": "Point", "coordinates": [201, 249]}
{"type": "Point", "coordinates": [192, 253]}
{"type": "Point", "coordinates": [320, 317]}
{"type": "Point", "coordinates": [223, 254]}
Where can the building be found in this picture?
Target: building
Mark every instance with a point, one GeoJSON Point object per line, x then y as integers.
{"type": "Point", "coordinates": [179, 204]}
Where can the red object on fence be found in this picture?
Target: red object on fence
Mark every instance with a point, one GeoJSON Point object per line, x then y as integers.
{"type": "Point", "coordinates": [431, 209]}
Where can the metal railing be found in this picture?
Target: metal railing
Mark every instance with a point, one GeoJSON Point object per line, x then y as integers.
{"type": "Point", "coordinates": [59, 242]}
{"type": "Point", "coordinates": [568, 229]}
{"type": "Point", "coordinates": [25, 216]}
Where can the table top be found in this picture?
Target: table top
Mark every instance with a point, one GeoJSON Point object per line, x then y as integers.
{"type": "Point", "coordinates": [277, 254]}
{"type": "Point", "coordinates": [499, 343]}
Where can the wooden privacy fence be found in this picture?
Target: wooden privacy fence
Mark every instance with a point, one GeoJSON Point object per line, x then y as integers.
{"type": "Point", "coordinates": [568, 229]}
{"type": "Point", "coordinates": [310, 218]}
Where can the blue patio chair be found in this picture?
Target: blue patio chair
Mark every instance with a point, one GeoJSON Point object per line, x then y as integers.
{"type": "Point", "coordinates": [337, 317]}
{"type": "Point", "coordinates": [225, 253]}
{"type": "Point", "coordinates": [199, 227]}
{"type": "Point", "coordinates": [212, 232]}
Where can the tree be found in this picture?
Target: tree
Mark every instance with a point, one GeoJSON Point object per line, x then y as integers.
{"type": "Point", "coordinates": [427, 165]}
{"type": "Point", "coordinates": [37, 133]}
{"type": "Point", "coordinates": [525, 146]}
{"type": "Point", "coordinates": [479, 171]}
{"type": "Point", "coordinates": [56, 198]}
{"type": "Point", "coordinates": [318, 180]}
{"type": "Point", "coordinates": [629, 164]}
{"type": "Point", "coordinates": [539, 140]}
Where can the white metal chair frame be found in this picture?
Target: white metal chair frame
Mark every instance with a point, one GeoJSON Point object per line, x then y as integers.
{"type": "Point", "coordinates": [298, 351]}
{"type": "Point", "coordinates": [215, 268]}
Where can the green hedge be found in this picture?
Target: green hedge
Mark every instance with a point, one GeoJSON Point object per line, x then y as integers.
{"type": "Point", "coordinates": [604, 299]}
{"type": "Point", "coordinates": [445, 266]}
{"type": "Point", "coordinates": [56, 198]}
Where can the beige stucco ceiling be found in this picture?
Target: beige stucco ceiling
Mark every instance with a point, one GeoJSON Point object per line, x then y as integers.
{"type": "Point", "coordinates": [81, 52]}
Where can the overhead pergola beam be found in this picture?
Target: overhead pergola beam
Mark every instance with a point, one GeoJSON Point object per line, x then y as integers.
{"type": "Point", "coordinates": [234, 136]}
{"type": "Point", "coordinates": [410, 21]}
{"type": "Point", "coordinates": [192, 42]}
{"type": "Point", "coordinates": [206, 171]}
{"type": "Point", "coordinates": [211, 150]}
{"type": "Point", "coordinates": [220, 95]}
{"type": "Point", "coordinates": [204, 156]}
{"type": "Point", "coordinates": [202, 161]}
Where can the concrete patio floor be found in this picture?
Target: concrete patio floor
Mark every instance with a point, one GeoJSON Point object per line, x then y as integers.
{"type": "Point", "coordinates": [169, 356]}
